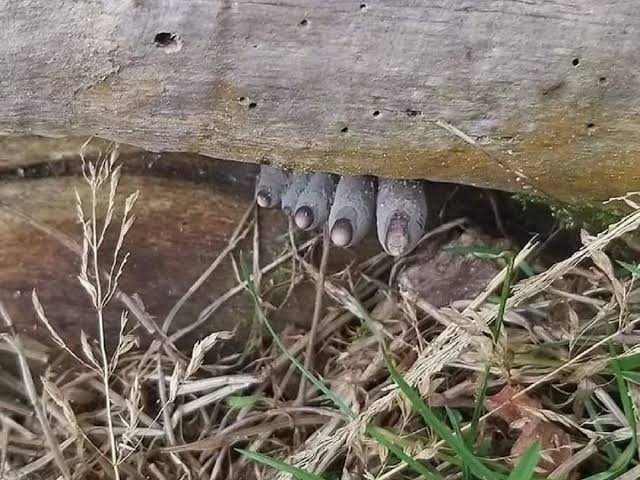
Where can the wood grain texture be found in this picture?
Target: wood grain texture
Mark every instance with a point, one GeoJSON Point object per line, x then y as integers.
{"type": "Point", "coordinates": [180, 228]}
{"type": "Point", "coordinates": [547, 90]}
{"type": "Point", "coordinates": [31, 150]}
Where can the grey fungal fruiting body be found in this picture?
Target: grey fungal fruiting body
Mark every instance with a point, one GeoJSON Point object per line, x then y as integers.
{"type": "Point", "coordinates": [270, 186]}
{"type": "Point", "coordinates": [314, 204]}
{"type": "Point", "coordinates": [401, 214]}
{"type": "Point", "coordinates": [297, 183]}
{"type": "Point", "coordinates": [353, 211]}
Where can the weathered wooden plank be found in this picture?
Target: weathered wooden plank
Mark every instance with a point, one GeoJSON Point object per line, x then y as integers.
{"type": "Point", "coordinates": [548, 89]}
{"type": "Point", "coordinates": [30, 150]}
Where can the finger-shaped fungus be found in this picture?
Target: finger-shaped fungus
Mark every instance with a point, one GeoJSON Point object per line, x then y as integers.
{"type": "Point", "coordinates": [270, 186]}
{"type": "Point", "coordinates": [353, 211]}
{"type": "Point", "coordinates": [401, 210]}
{"type": "Point", "coordinates": [297, 183]}
{"type": "Point", "coordinates": [314, 204]}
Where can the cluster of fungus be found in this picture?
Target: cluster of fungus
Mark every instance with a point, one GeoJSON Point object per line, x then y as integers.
{"type": "Point", "coordinates": [350, 204]}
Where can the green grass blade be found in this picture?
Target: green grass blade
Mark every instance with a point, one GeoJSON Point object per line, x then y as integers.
{"type": "Point", "coordinates": [621, 463]}
{"type": "Point", "coordinates": [618, 467]}
{"type": "Point", "coordinates": [479, 406]}
{"type": "Point", "coordinates": [482, 393]}
{"type": "Point", "coordinates": [634, 269]}
{"type": "Point", "coordinates": [456, 443]}
{"type": "Point", "coordinates": [478, 251]}
{"type": "Point", "coordinates": [279, 465]}
{"type": "Point", "coordinates": [527, 464]}
{"type": "Point", "coordinates": [609, 448]}
{"type": "Point", "coordinates": [626, 362]}
{"type": "Point", "coordinates": [526, 268]}
{"type": "Point", "coordinates": [337, 401]}
{"type": "Point", "coordinates": [623, 390]}
{"type": "Point", "coordinates": [382, 437]}
{"type": "Point", "coordinates": [486, 252]}
{"type": "Point", "coordinates": [608, 475]}
{"type": "Point", "coordinates": [631, 376]}
{"type": "Point", "coordinates": [454, 420]}
{"type": "Point", "coordinates": [241, 401]}
{"type": "Point", "coordinates": [504, 296]}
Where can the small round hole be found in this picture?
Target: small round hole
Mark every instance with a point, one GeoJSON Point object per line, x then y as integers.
{"type": "Point", "coordinates": [591, 125]}
{"type": "Point", "coordinates": [169, 42]}
{"type": "Point", "coordinates": [242, 99]}
{"type": "Point", "coordinates": [575, 62]}
{"type": "Point", "coordinates": [363, 6]}
{"type": "Point", "coordinates": [163, 39]}
{"type": "Point", "coordinates": [602, 80]}
{"type": "Point", "coordinates": [253, 105]}
{"type": "Point", "coordinates": [344, 129]}
{"type": "Point", "coordinates": [304, 22]}
{"type": "Point", "coordinates": [376, 113]}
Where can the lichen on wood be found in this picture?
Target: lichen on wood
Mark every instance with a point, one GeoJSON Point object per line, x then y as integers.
{"type": "Point", "coordinates": [510, 95]}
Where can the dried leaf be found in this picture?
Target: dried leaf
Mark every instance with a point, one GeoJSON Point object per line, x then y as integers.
{"type": "Point", "coordinates": [126, 227]}
{"type": "Point", "coordinates": [141, 314]}
{"type": "Point", "coordinates": [84, 258]}
{"type": "Point", "coordinates": [133, 402]}
{"type": "Point", "coordinates": [115, 153]}
{"type": "Point", "coordinates": [56, 395]}
{"type": "Point", "coordinates": [555, 444]}
{"type": "Point", "coordinates": [53, 391]}
{"type": "Point", "coordinates": [131, 201]}
{"type": "Point", "coordinates": [90, 289]}
{"type": "Point", "coordinates": [512, 409]}
{"type": "Point", "coordinates": [120, 271]}
{"type": "Point", "coordinates": [124, 320]}
{"type": "Point", "coordinates": [523, 414]}
{"type": "Point", "coordinates": [92, 171]}
{"type": "Point", "coordinates": [177, 377]}
{"type": "Point", "coordinates": [201, 348]}
{"type": "Point", "coordinates": [43, 318]}
{"type": "Point", "coordinates": [133, 409]}
{"type": "Point", "coordinates": [115, 180]}
{"type": "Point", "coordinates": [626, 200]}
{"type": "Point", "coordinates": [86, 349]}
{"type": "Point", "coordinates": [127, 343]}
{"type": "Point", "coordinates": [603, 263]}
{"type": "Point", "coordinates": [79, 211]}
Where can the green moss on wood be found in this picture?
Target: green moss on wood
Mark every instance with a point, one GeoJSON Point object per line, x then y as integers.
{"type": "Point", "coordinates": [594, 217]}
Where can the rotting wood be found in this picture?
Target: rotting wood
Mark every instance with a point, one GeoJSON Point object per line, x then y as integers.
{"type": "Point", "coordinates": [18, 153]}
{"type": "Point", "coordinates": [545, 91]}
{"type": "Point", "coordinates": [176, 234]}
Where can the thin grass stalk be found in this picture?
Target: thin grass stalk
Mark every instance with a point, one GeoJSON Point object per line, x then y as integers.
{"type": "Point", "coordinates": [14, 340]}
{"type": "Point", "coordinates": [98, 303]}
{"type": "Point", "coordinates": [317, 312]}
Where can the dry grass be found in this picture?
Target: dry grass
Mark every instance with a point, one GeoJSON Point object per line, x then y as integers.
{"type": "Point", "coordinates": [567, 349]}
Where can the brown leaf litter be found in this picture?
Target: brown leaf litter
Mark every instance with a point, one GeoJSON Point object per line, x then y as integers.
{"type": "Point", "coordinates": [524, 417]}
